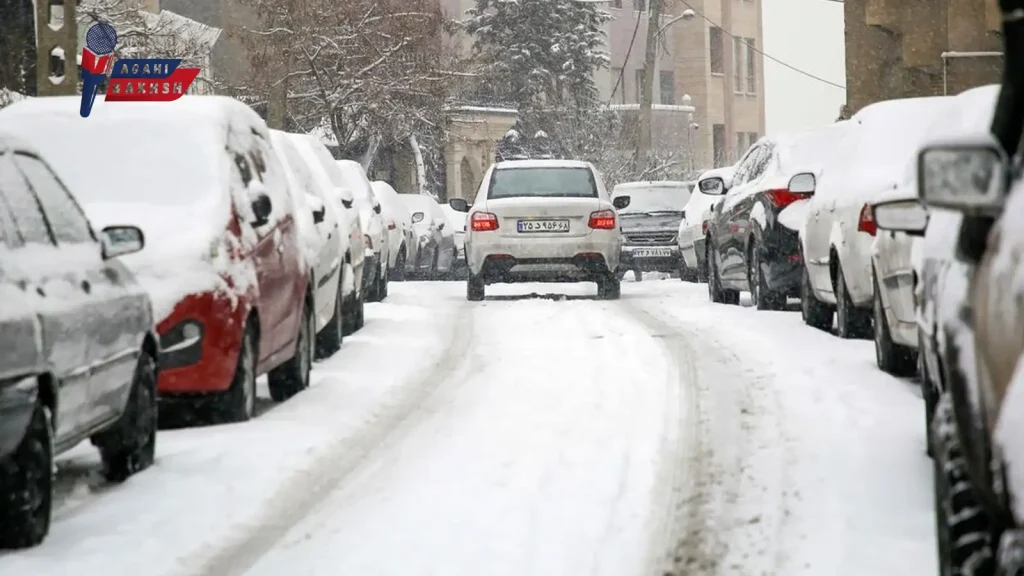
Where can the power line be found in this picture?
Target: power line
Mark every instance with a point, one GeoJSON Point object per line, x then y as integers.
{"type": "Point", "coordinates": [761, 52]}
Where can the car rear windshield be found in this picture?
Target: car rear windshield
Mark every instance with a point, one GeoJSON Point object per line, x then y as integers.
{"type": "Point", "coordinates": [543, 183]}
{"type": "Point", "coordinates": [655, 199]}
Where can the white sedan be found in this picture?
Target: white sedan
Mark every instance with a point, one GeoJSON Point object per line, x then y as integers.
{"type": "Point", "coordinates": [541, 221]}
{"type": "Point", "coordinates": [710, 189]}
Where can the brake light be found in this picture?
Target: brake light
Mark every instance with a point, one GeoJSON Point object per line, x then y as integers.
{"type": "Point", "coordinates": [782, 197]}
{"type": "Point", "coordinates": [704, 228]}
{"type": "Point", "coordinates": [483, 222]}
{"type": "Point", "coordinates": [602, 220]}
{"type": "Point", "coordinates": [867, 220]}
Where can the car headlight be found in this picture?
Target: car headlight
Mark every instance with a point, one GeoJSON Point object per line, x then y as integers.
{"type": "Point", "coordinates": [182, 345]}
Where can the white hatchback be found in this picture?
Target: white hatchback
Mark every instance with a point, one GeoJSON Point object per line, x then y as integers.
{"type": "Point", "coordinates": [541, 221]}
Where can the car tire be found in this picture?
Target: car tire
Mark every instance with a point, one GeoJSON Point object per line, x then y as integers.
{"type": "Point", "coordinates": [292, 377]}
{"type": "Point", "coordinates": [715, 291]}
{"type": "Point", "coordinates": [621, 274]}
{"type": "Point", "coordinates": [130, 445]}
{"type": "Point", "coordinates": [687, 274]}
{"type": "Point", "coordinates": [638, 275]}
{"type": "Point", "coordinates": [851, 322]}
{"type": "Point", "coordinates": [26, 485]}
{"type": "Point", "coordinates": [382, 282]}
{"type": "Point", "coordinates": [815, 313]}
{"type": "Point", "coordinates": [609, 287]}
{"type": "Point", "coordinates": [764, 297]}
{"type": "Point", "coordinates": [239, 402]}
{"type": "Point", "coordinates": [475, 288]}
{"type": "Point", "coordinates": [329, 340]}
{"type": "Point", "coordinates": [891, 357]}
{"type": "Point", "coordinates": [360, 319]}
{"type": "Point", "coordinates": [929, 393]}
{"type": "Point", "coordinates": [372, 285]}
{"type": "Point", "coordinates": [398, 275]}
{"type": "Point", "coordinates": [965, 532]}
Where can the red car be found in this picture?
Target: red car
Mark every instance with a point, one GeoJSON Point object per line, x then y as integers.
{"type": "Point", "coordinates": [222, 263]}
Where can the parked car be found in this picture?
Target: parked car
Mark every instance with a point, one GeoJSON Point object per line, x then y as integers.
{"type": "Point", "coordinates": [375, 273]}
{"type": "Point", "coordinates": [329, 177]}
{"type": "Point", "coordinates": [398, 222]}
{"type": "Point", "coordinates": [839, 228]}
{"type": "Point", "coordinates": [78, 352]}
{"type": "Point", "coordinates": [542, 220]}
{"type": "Point", "coordinates": [649, 215]}
{"type": "Point", "coordinates": [436, 251]}
{"type": "Point", "coordinates": [232, 297]}
{"type": "Point", "coordinates": [457, 223]}
{"type": "Point", "coordinates": [316, 218]}
{"type": "Point", "coordinates": [753, 238]}
{"type": "Point", "coordinates": [693, 228]}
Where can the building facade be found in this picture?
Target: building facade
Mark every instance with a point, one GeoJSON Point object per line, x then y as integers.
{"type": "Point", "coordinates": [909, 48]}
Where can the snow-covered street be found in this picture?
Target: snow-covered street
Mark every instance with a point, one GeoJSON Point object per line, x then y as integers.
{"type": "Point", "coordinates": [534, 433]}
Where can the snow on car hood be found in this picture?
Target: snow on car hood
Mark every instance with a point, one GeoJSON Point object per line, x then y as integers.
{"type": "Point", "coordinates": [633, 223]}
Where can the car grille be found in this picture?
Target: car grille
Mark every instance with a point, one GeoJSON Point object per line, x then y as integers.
{"type": "Point", "coordinates": [651, 238]}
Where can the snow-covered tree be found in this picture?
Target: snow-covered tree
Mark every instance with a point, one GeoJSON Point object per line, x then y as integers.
{"type": "Point", "coordinates": [537, 54]}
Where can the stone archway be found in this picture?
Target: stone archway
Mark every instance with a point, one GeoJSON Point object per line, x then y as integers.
{"type": "Point", "coordinates": [470, 180]}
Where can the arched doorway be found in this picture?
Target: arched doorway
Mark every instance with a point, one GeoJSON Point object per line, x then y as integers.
{"type": "Point", "coordinates": [468, 186]}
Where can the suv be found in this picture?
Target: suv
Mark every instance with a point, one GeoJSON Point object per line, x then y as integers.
{"type": "Point", "coordinates": [78, 354]}
{"type": "Point", "coordinates": [541, 221]}
{"type": "Point", "coordinates": [650, 213]}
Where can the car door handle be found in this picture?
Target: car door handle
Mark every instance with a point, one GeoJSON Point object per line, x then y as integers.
{"type": "Point", "coordinates": [86, 286]}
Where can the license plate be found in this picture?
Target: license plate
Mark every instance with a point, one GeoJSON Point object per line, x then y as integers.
{"type": "Point", "coordinates": [652, 252]}
{"type": "Point", "coordinates": [527, 226]}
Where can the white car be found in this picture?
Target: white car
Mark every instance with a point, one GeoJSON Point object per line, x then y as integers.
{"type": "Point", "coordinates": [320, 232]}
{"type": "Point", "coordinates": [375, 273]}
{"type": "Point", "coordinates": [435, 239]}
{"type": "Point", "coordinates": [542, 221]}
{"type": "Point", "coordinates": [457, 221]}
{"type": "Point", "coordinates": [693, 229]}
{"type": "Point", "coordinates": [839, 230]}
{"type": "Point", "coordinates": [398, 223]}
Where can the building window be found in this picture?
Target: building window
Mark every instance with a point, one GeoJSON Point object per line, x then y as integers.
{"type": "Point", "coordinates": [738, 70]}
{"type": "Point", "coordinates": [741, 144]}
{"type": "Point", "coordinates": [639, 84]}
{"type": "Point", "coordinates": [667, 83]}
{"type": "Point", "coordinates": [718, 144]}
{"type": "Point", "coordinates": [716, 56]}
{"type": "Point", "coordinates": [616, 3]}
{"type": "Point", "coordinates": [751, 66]}
{"type": "Point", "coordinates": [639, 5]}
{"type": "Point", "coordinates": [617, 88]}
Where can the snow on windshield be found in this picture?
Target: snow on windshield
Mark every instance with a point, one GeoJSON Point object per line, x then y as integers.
{"type": "Point", "coordinates": [542, 182]}
{"type": "Point", "coordinates": [654, 199]}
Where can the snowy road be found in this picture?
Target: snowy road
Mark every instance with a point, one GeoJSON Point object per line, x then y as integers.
{"type": "Point", "coordinates": [534, 435]}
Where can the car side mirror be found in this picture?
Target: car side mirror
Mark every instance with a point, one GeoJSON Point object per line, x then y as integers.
{"type": "Point", "coordinates": [121, 240]}
{"type": "Point", "coordinates": [376, 208]}
{"type": "Point", "coordinates": [459, 204]}
{"type": "Point", "coordinates": [620, 202]}
{"type": "Point", "coordinates": [909, 216]}
{"type": "Point", "coordinates": [261, 209]}
{"type": "Point", "coordinates": [714, 186]}
{"type": "Point", "coordinates": [318, 215]}
{"type": "Point", "coordinates": [969, 178]}
{"type": "Point", "coordinates": [317, 207]}
{"type": "Point", "coordinates": [417, 217]}
{"type": "Point", "coordinates": [347, 199]}
{"type": "Point", "coordinates": [803, 183]}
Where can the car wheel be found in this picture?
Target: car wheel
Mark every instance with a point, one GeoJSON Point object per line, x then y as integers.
{"type": "Point", "coordinates": [329, 340]}
{"type": "Point", "coordinates": [292, 377]}
{"type": "Point", "coordinates": [891, 357]}
{"type": "Point", "coordinates": [239, 403]}
{"type": "Point", "coordinates": [687, 274]}
{"type": "Point", "coordinates": [609, 287]}
{"type": "Point", "coordinates": [638, 275]}
{"type": "Point", "coordinates": [398, 275]}
{"type": "Point", "coordinates": [382, 282]}
{"type": "Point", "coordinates": [26, 485]}
{"type": "Point", "coordinates": [764, 298]}
{"type": "Point", "coordinates": [620, 273]}
{"type": "Point", "coordinates": [929, 393]}
{"type": "Point", "coordinates": [852, 322]}
{"type": "Point", "coordinates": [475, 288]}
{"type": "Point", "coordinates": [964, 529]}
{"type": "Point", "coordinates": [360, 319]}
{"type": "Point", "coordinates": [130, 446]}
{"type": "Point", "coordinates": [815, 313]}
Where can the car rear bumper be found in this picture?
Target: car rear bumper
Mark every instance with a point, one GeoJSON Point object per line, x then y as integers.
{"type": "Point", "coordinates": [207, 365]}
{"type": "Point", "coordinates": [583, 267]}
{"type": "Point", "coordinates": [782, 261]}
{"type": "Point", "coordinates": [668, 260]}
{"type": "Point", "coordinates": [17, 402]}
{"type": "Point", "coordinates": [604, 243]}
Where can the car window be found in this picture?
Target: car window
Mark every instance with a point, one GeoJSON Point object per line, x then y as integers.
{"type": "Point", "coordinates": [28, 216]}
{"type": "Point", "coordinates": [67, 221]}
{"type": "Point", "coordinates": [760, 163]}
{"type": "Point", "coordinates": [273, 178]}
{"type": "Point", "coordinates": [543, 183]}
{"type": "Point", "coordinates": [743, 168]}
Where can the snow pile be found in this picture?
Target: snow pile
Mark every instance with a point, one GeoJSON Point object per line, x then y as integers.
{"type": "Point", "coordinates": [8, 97]}
{"type": "Point", "coordinates": [158, 166]}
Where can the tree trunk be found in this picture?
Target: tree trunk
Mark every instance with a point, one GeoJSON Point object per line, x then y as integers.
{"type": "Point", "coordinates": [421, 167]}
{"type": "Point", "coordinates": [643, 147]}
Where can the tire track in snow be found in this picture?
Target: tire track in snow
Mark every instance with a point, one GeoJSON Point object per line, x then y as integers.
{"type": "Point", "coordinates": [296, 498]}
{"type": "Point", "coordinates": [728, 418]}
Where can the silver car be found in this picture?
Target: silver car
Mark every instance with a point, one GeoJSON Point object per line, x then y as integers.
{"type": "Point", "coordinates": [650, 214]}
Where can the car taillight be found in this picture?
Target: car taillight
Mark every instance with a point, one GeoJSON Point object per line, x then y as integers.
{"type": "Point", "coordinates": [602, 220]}
{"type": "Point", "coordinates": [392, 225]}
{"type": "Point", "coordinates": [704, 228]}
{"type": "Point", "coordinates": [483, 222]}
{"type": "Point", "coordinates": [867, 220]}
{"type": "Point", "coordinates": [782, 197]}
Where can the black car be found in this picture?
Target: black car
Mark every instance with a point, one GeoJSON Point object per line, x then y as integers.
{"type": "Point", "coordinates": [752, 244]}
{"type": "Point", "coordinates": [649, 216]}
{"type": "Point", "coordinates": [78, 354]}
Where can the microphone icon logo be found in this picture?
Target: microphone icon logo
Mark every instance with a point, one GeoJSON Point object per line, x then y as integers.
{"type": "Point", "coordinates": [100, 41]}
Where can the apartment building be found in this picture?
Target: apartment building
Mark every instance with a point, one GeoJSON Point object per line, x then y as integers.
{"type": "Point", "coordinates": [908, 48]}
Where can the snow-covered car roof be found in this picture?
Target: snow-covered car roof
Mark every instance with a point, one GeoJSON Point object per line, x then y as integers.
{"type": "Point", "coordinates": [419, 202]}
{"type": "Point", "coordinates": [725, 172]}
{"type": "Point", "coordinates": [508, 164]}
{"type": "Point", "coordinates": [13, 142]}
{"type": "Point", "coordinates": [356, 179]}
{"type": "Point", "coordinates": [809, 150]}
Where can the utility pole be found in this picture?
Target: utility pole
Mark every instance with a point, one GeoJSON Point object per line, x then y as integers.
{"type": "Point", "coordinates": [643, 147]}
